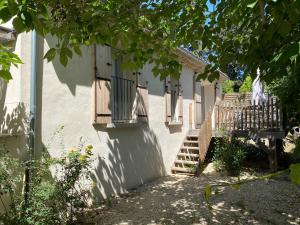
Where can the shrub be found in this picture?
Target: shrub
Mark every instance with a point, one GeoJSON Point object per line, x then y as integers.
{"type": "Point", "coordinates": [246, 85]}
{"type": "Point", "coordinates": [52, 200]}
{"type": "Point", "coordinates": [228, 86]}
{"type": "Point", "coordinates": [229, 155]}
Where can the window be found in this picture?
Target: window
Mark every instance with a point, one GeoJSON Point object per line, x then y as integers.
{"type": "Point", "coordinates": [173, 99]}
{"type": "Point", "coordinates": [117, 97]}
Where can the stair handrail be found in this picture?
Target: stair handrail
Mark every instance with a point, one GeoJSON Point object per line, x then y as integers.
{"type": "Point", "coordinates": [205, 136]}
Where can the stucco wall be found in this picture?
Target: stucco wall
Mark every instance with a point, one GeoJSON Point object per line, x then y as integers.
{"type": "Point", "coordinates": [123, 157]}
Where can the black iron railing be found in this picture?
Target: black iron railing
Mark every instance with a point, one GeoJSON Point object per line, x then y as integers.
{"type": "Point", "coordinates": [122, 99]}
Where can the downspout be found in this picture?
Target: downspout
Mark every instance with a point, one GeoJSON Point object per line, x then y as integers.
{"type": "Point", "coordinates": [32, 113]}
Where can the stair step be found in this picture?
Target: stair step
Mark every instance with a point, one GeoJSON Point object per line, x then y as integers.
{"type": "Point", "coordinates": [187, 154]}
{"type": "Point", "coordinates": [186, 162]}
{"type": "Point", "coordinates": [181, 169]}
{"type": "Point", "coordinates": [191, 141]}
{"type": "Point", "coordinates": [190, 147]}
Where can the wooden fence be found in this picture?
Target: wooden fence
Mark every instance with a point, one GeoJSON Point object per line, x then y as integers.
{"type": "Point", "coordinates": [244, 116]}
{"type": "Point", "coordinates": [205, 135]}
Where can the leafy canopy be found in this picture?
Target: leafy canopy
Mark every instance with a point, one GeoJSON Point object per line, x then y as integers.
{"type": "Point", "coordinates": [147, 31]}
{"type": "Point", "coordinates": [249, 34]}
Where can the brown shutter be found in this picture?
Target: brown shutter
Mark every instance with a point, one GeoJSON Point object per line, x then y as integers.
{"type": "Point", "coordinates": [102, 101]}
{"type": "Point", "coordinates": [168, 116]}
{"type": "Point", "coordinates": [180, 107]}
{"type": "Point", "coordinates": [142, 103]}
{"type": "Point", "coordinates": [104, 61]}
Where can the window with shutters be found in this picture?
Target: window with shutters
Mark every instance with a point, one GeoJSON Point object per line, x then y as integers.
{"type": "Point", "coordinates": [173, 100]}
{"type": "Point", "coordinates": [117, 97]}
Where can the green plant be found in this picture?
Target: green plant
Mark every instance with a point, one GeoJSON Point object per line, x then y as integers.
{"type": "Point", "coordinates": [228, 154]}
{"type": "Point", "coordinates": [56, 199]}
{"type": "Point", "coordinates": [296, 151]}
{"type": "Point", "coordinates": [246, 85]}
{"type": "Point", "coordinates": [228, 86]}
{"type": "Point", "coordinates": [10, 176]}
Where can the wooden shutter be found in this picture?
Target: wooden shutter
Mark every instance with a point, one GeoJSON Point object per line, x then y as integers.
{"type": "Point", "coordinates": [142, 103]}
{"type": "Point", "coordinates": [104, 61]}
{"type": "Point", "coordinates": [168, 115]}
{"type": "Point", "coordinates": [180, 107]}
{"type": "Point", "coordinates": [102, 101]}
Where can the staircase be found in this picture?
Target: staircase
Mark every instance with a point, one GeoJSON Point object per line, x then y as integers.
{"type": "Point", "coordinates": [194, 148]}
{"type": "Point", "coordinates": [187, 159]}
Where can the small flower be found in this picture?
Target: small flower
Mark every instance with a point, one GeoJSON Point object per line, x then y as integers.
{"type": "Point", "coordinates": [73, 150]}
{"type": "Point", "coordinates": [83, 158]}
{"type": "Point", "coordinates": [88, 149]}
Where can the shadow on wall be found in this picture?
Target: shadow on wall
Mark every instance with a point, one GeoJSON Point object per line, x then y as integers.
{"type": "Point", "coordinates": [12, 115]}
{"type": "Point", "coordinates": [134, 158]}
{"type": "Point", "coordinates": [72, 75]}
{"type": "Point", "coordinates": [13, 120]}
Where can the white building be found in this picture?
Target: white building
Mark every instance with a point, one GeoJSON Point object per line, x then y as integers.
{"type": "Point", "coordinates": [135, 122]}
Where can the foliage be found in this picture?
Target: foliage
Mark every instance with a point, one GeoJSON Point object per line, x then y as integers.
{"type": "Point", "coordinates": [255, 33]}
{"type": "Point", "coordinates": [147, 31]}
{"type": "Point", "coordinates": [10, 176]}
{"type": "Point", "coordinates": [246, 85]}
{"type": "Point", "coordinates": [244, 34]}
{"type": "Point", "coordinates": [55, 200]}
{"type": "Point", "coordinates": [229, 154]}
{"type": "Point", "coordinates": [296, 151]}
{"type": "Point", "coordinates": [6, 59]}
{"type": "Point", "coordinates": [228, 86]}
{"type": "Point", "coordinates": [287, 89]}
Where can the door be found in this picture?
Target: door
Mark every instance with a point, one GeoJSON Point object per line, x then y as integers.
{"type": "Point", "coordinates": [174, 99]}
{"type": "Point", "coordinates": [199, 104]}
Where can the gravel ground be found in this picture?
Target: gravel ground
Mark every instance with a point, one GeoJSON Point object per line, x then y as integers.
{"type": "Point", "coordinates": [179, 200]}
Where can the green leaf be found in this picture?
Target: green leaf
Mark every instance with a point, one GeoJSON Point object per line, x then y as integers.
{"type": "Point", "coordinates": [50, 54]}
{"type": "Point", "coordinates": [284, 28]}
{"type": "Point", "coordinates": [252, 4]}
{"type": "Point", "coordinates": [19, 25]}
{"type": "Point", "coordinates": [12, 6]}
{"type": "Point", "coordinates": [295, 173]}
{"type": "Point", "coordinates": [207, 195]}
{"type": "Point", "coordinates": [63, 59]}
{"type": "Point", "coordinates": [5, 14]}
{"type": "Point", "coordinates": [77, 50]}
{"type": "Point", "coordinates": [67, 52]}
{"type": "Point", "coordinates": [5, 74]}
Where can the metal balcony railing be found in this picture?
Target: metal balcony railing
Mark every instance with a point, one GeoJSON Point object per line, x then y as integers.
{"type": "Point", "coordinates": [122, 99]}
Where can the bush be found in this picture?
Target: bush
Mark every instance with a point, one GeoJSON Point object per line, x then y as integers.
{"type": "Point", "coordinates": [54, 200]}
{"type": "Point", "coordinates": [247, 85]}
{"type": "Point", "coordinates": [228, 86]}
{"type": "Point", "coordinates": [229, 155]}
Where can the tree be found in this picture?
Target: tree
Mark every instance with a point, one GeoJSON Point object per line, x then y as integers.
{"type": "Point", "coordinates": [147, 31]}
{"type": "Point", "coordinates": [255, 33]}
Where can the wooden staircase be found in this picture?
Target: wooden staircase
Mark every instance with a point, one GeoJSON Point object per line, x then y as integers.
{"type": "Point", "coordinates": [187, 159]}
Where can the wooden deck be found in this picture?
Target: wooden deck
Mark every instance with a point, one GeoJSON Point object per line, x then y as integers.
{"type": "Point", "coordinates": [254, 120]}
{"type": "Point", "coordinates": [243, 118]}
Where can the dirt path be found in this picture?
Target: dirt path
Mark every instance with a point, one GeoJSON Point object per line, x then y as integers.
{"type": "Point", "coordinates": [179, 200]}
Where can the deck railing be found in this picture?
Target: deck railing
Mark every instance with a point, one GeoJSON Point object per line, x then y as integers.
{"type": "Point", "coordinates": [244, 116]}
{"type": "Point", "coordinates": [122, 98]}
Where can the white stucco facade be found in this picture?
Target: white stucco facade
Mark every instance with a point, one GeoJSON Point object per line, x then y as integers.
{"type": "Point", "coordinates": [123, 157]}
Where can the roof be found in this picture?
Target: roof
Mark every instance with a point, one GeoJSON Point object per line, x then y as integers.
{"type": "Point", "coordinates": [7, 35]}
{"type": "Point", "coordinates": [196, 63]}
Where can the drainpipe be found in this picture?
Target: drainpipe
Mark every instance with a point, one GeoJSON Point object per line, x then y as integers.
{"type": "Point", "coordinates": [32, 114]}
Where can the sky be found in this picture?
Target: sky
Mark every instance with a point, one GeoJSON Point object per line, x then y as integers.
{"type": "Point", "coordinates": [210, 6]}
